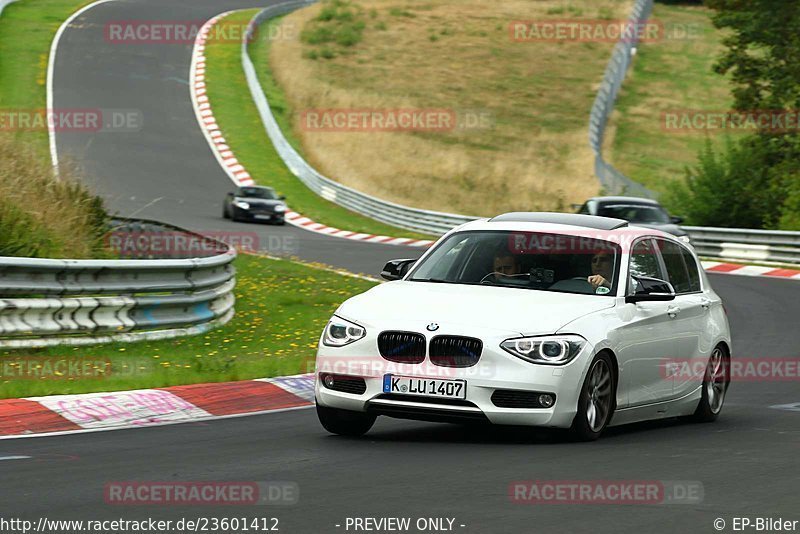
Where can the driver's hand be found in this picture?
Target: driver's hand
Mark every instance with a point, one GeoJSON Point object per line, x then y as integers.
{"type": "Point", "coordinates": [597, 280]}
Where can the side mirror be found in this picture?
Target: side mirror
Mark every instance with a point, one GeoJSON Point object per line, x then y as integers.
{"type": "Point", "coordinates": [281, 197]}
{"type": "Point", "coordinates": [396, 269]}
{"type": "Point", "coordinates": [230, 194]}
{"type": "Point", "coordinates": [676, 220]}
{"type": "Point", "coordinates": [651, 290]}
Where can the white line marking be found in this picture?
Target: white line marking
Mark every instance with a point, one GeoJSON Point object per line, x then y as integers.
{"type": "Point", "coordinates": [50, 68]}
{"type": "Point", "coordinates": [14, 457]}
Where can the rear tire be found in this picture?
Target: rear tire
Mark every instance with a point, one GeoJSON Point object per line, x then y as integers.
{"type": "Point", "coordinates": [345, 422]}
{"type": "Point", "coordinates": [597, 400]}
{"type": "Point", "coordinates": [715, 386]}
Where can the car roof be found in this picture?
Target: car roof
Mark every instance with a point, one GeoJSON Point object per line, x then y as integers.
{"type": "Point", "coordinates": [564, 223]}
{"type": "Point", "coordinates": [625, 200]}
{"type": "Point", "coordinates": [255, 187]}
{"type": "Point", "coordinates": [566, 219]}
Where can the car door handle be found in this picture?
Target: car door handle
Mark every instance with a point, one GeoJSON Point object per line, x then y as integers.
{"type": "Point", "coordinates": [673, 311]}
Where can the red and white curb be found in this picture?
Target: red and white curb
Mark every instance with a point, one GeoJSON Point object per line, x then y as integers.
{"type": "Point", "coordinates": [93, 412]}
{"type": "Point", "coordinates": [235, 170]}
{"type": "Point", "coordinates": [750, 270]}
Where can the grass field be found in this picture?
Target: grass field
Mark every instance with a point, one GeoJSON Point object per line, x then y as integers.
{"type": "Point", "coordinates": [27, 28]}
{"type": "Point", "coordinates": [238, 119]}
{"type": "Point", "coordinates": [529, 153]}
{"type": "Point", "coordinates": [281, 308]}
{"type": "Point", "coordinates": [38, 216]}
{"type": "Point", "coordinates": [673, 74]}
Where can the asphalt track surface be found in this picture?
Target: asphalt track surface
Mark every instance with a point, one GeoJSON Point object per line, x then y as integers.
{"type": "Point", "coordinates": [166, 170]}
{"type": "Point", "coordinates": [747, 461]}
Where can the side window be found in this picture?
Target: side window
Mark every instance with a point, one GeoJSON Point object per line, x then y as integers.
{"type": "Point", "coordinates": [644, 262]}
{"type": "Point", "coordinates": [691, 266]}
{"type": "Point", "coordinates": [677, 273]}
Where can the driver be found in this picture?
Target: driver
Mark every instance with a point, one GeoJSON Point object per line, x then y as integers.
{"type": "Point", "coordinates": [505, 265]}
{"type": "Point", "coordinates": [602, 270]}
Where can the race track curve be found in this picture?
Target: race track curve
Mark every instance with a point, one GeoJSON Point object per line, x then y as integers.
{"type": "Point", "coordinates": [747, 461]}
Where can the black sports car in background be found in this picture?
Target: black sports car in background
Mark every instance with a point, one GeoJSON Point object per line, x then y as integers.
{"type": "Point", "coordinates": [256, 204]}
{"type": "Point", "coordinates": [638, 211]}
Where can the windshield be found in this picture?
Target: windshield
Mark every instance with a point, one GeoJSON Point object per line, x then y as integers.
{"type": "Point", "coordinates": [636, 213]}
{"type": "Point", "coordinates": [257, 192]}
{"type": "Point", "coordinates": [525, 260]}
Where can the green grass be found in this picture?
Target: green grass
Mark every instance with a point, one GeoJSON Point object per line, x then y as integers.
{"type": "Point", "coordinates": [281, 308]}
{"type": "Point", "coordinates": [27, 28]}
{"type": "Point", "coordinates": [673, 74]}
{"type": "Point", "coordinates": [238, 119]}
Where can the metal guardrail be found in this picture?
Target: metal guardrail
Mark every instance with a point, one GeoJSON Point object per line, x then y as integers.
{"type": "Point", "coordinates": [613, 181]}
{"type": "Point", "coordinates": [731, 244]}
{"type": "Point", "coordinates": [432, 222]}
{"type": "Point", "coordinates": [46, 302]}
{"type": "Point", "coordinates": [768, 246]}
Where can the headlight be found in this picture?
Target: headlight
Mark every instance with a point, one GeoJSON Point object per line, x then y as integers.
{"type": "Point", "coordinates": [340, 332]}
{"type": "Point", "coordinates": [551, 350]}
{"type": "Point", "coordinates": [280, 208]}
{"type": "Point", "coordinates": [242, 204]}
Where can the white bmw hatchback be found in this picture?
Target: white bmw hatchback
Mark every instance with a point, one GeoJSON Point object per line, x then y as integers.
{"type": "Point", "coordinates": [552, 320]}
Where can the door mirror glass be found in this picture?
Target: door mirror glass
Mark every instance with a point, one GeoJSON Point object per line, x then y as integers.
{"type": "Point", "coordinates": [396, 269]}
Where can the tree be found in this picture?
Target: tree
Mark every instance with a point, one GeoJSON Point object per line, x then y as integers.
{"type": "Point", "coordinates": [762, 51]}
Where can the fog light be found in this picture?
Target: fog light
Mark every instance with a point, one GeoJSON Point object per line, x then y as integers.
{"type": "Point", "coordinates": [546, 400]}
{"type": "Point", "coordinates": [328, 381]}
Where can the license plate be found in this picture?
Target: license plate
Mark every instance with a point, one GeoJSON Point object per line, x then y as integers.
{"type": "Point", "coordinates": [263, 217]}
{"type": "Point", "coordinates": [427, 387]}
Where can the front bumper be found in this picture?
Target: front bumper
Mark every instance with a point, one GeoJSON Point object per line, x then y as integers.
{"type": "Point", "coordinates": [497, 370]}
{"type": "Point", "coordinates": [258, 216]}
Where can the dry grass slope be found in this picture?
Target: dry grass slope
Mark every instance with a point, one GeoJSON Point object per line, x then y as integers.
{"type": "Point", "coordinates": [40, 216]}
{"type": "Point", "coordinates": [456, 55]}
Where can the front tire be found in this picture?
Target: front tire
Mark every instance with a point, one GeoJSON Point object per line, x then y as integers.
{"type": "Point", "coordinates": [715, 386]}
{"type": "Point", "coordinates": [345, 422]}
{"type": "Point", "coordinates": [597, 400]}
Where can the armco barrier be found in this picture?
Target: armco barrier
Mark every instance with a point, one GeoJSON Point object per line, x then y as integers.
{"type": "Point", "coordinates": [771, 246]}
{"type": "Point", "coordinates": [613, 181]}
{"type": "Point", "coordinates": [731, 244]}
{"type": "Point", "coordinates": [47, 302]}
{"type": "Point", "coordinates": [431, 222]}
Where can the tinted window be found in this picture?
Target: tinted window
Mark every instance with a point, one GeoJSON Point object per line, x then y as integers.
{"type": "Point", "coordinates": [644, 260]}
{"type": "Point", "coordinates": [525, 260]}
{"type": "Point", "coordinates": [691, 267]}
{"type": "Point", "coordinates": [635, 213]}
{"type": "Point", "coordinates": [257, 192]}
{"type": "Point", "coordinates": [677, 273]}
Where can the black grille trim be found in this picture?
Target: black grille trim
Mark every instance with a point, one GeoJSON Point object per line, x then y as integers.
{"type": "Point", "coordinates": [455, 351]}
{"type": "Point", "coordinates": [402, 347]}
{"type": "Point", "coordinates": [354, 385]}
{"type": "Point", "coordinates": [513, 398]}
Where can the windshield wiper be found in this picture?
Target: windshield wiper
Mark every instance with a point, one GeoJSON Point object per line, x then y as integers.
{"type": "Point", "coordinates": [433, 280]}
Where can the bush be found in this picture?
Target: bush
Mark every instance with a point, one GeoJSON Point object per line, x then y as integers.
{"type": "Point", "coordinates": [733, 188]}
{"type": "Point", "coordinates": [339, 22]}
{"type": "Point", "coordinates": [44, 217]}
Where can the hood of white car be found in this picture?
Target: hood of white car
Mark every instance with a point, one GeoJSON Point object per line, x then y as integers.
{"type": "Point", "coordinates": [518, 311]}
